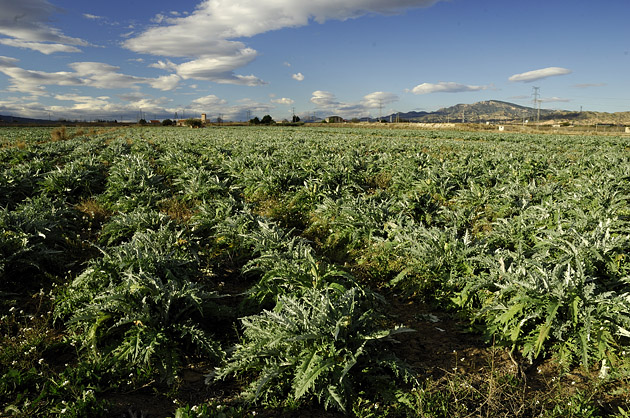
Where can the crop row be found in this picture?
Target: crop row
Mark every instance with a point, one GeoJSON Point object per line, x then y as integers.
{"type": "Point", "coordinates": [154, 242]}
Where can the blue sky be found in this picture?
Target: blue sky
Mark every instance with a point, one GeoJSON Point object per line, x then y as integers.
{"type": "Point", "coordinates": [112, 60]}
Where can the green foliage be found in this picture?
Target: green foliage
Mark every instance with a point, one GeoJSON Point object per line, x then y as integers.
{"type": "Point", "coordinates": [19, 181]}
{"type": "Point", "coordinates": [570, 296]}
{"type": "Point", "coordinates": [526, 235]}
{"type": "Point", "coordinates": [194, 123]}
{"type": "Point", "coordinates": [132, 183]}
{"type": "Point", "coordinates": [198, 183]}
{"type": "Point", "coordinates": [324, 344]}
{"type": "Point", "coordinates": [287, 267]}
{"type": "Point", "coordinates": [124, 226]}
{"type": "Point", "coordinates": [78, 179]}
{"type": "Point", "coordinates": [36, 238]}
{"type": "Point", "coordinates": [266, 120]}
{"type": "Point", "coordinates": [164, 253]}
{"type": "Point", "coordinates": [147, 322]}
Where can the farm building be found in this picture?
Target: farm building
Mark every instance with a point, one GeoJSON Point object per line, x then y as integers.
{"type": "Point", "coordinates": [334, 119]}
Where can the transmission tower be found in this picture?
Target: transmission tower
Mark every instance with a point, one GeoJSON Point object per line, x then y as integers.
{"type": "Point", "coordinates": [537, 101]}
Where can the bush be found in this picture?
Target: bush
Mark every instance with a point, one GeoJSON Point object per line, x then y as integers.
{"type": "Point", "coordinates": [148, 322]}
{"type": "Point", "coordinates": [324, 344]}
{"type": "Point", "coordinates": [132, 183]}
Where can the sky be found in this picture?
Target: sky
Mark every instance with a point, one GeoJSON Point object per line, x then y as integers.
{"type": "Point", "coordinates": [236, 59]}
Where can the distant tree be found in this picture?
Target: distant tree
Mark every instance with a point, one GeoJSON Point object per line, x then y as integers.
{"type": "Point", "coordinates": [355, 120]}
{"type": "Point", "coordinates": [142, 121]}
{"type": "Point", "coordinates": [194, 123]}
{"type": "Point", "coordinates": [266, 120]}
{"type": "Point", "coordinates": [296, 119]}
{"type": "Point", "coordinates": [254, 121]}
{"type": "Point", "coordinates": [167, 122]}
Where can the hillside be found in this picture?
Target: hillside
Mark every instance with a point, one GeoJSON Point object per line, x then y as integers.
{"type": "Point", "coordinates": [20, 120]}
{"type": "Point", "coordinates": [504, 112]}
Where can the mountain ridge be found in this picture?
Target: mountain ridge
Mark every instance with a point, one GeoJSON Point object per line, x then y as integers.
{"type": "Point", "coordinates": [497, 111]}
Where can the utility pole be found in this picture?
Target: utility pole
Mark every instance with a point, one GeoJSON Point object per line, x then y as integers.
{"type": "Point", "coordinates": [380, 110]}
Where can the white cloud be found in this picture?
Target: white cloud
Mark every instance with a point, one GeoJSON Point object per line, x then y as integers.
{"type": "Point", "coordinates": [324, 99]}
{"type": "Point", "coordinates": [164, 65]}
{"type": "Point", "coordinates": [101, 75]}
{"type": "Point", "coordinates": [88, 107]}
{"type": "Point", "coordinates": [29, 81]}
{"type": "Point", "coordinates": [446, 87]}
{"type": "Point", "coordinates": [44, 48]}
{"type": "Point", "coordinates": [85, 102]}
{"type": "Point", "coordinates": [210, 100]}
{"type": "Point", "coordinates": [378, 99]}
{"type": "Point", "coordinates": [588, 85]}
{"type": "Point", "coordinates": [534, 75]}
{"type": "Point", "coordinates": [283, 100]}
{"type": "Point", "coordinates": [159, 18]}
{"type": "Point", "coordinates": [92, 74]}
{"type": "Point", "coordinates": [91, 16]}
{"type": "Point", "coordinates": [25, 24]}
{"type": "Point", "coordinates": [207, 35]}
{"type": "Point", "coordinates": [554, 99]}
{"type": "Point", "coordinates": [328, 102]}
{"type": "Point", "coordinates": [286, 64]}
{"type": "Point", "coordinates": [166, 82]}
{"type": "Point", "coordinates": [219, 69]}
{"type": "Point", "coordinates": [82, 107]}
{"type": "Point", "coordinates": [298, 77]}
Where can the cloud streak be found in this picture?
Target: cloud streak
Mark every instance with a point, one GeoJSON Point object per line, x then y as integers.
{"type": "Point", "coordinates": [283, 101]}
{"type": "Point", "coordinates": [446, 87]}
{"type": "Point", "coordinates": [588, 85]}
{"type": "Point", "coordinates": [328, 102]}
{"type": "Point", "coordinates": [91, 74]}
{"type": "Point", "coordinates": [555, 100]}
{"type": "Point", "coordinates": [530, 76]}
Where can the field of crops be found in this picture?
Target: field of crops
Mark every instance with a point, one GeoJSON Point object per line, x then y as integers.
{"type": "Point", "coordinates": [239, 271]}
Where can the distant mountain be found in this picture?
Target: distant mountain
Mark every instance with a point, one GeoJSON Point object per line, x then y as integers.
{"type": "Point", "coordinates": [17, 119]}
{"type": "Point", "coordinates": [497, 111]}
{"type": "Point", "coordinates": [487, 111]}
